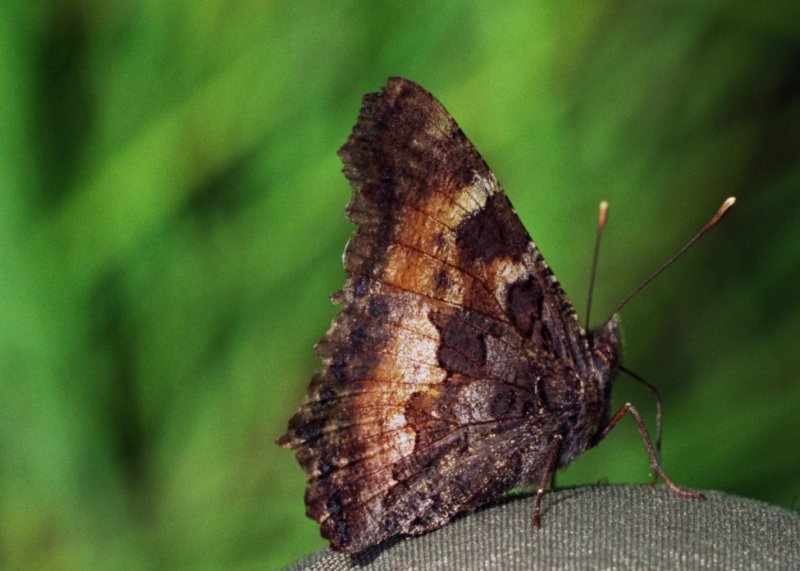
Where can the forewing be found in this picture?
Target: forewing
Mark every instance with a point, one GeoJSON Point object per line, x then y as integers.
{"type": "Point", "coordinates": [437, 365]}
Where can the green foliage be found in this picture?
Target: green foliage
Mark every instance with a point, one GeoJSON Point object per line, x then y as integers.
{"type": "Point", "coordinates": [171, 224]}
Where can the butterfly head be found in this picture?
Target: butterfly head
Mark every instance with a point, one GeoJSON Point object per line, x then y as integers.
{"type": "Point", "coordinates": [606, 345]}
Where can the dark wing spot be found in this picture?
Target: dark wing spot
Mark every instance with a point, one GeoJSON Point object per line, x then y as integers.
{"type": "Point", "coordinates": [525, 299]}
{"type": "Point", "coordinates": [502, 403]}
{"type": "Point", "coordinates": [335, 527]}
{"type": "Point", "coordinates": [361, 287]}
{"type": "Point", "coordinates": [356, 337]}
{"type": "Point", "coordinates": [378, 308]}
{"type": "Point", "coordinates": [442, 281]}
{"type": "Point", "coordinates": [493, 232]}
{"type": "Point", "coordinates": [481, 236]}
{"type": "Point", "coordinates": [462, 348]}
{"type": "Point", "coordinates": [546, 336]}
{"type": "Point", "coordinates": [338, 366]}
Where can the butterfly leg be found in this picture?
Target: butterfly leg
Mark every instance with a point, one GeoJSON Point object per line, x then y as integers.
{"type": "Point", "coordinates": [549, 472]}
{"type": "Point", "coordinates": [648, 444]}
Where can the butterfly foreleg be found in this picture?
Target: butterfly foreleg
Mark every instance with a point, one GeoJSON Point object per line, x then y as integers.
{"type": "Point", "coordinates": [648, 444]}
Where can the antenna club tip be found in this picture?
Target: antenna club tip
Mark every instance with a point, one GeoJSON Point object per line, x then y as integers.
{"type": "Point", "coordinates": [602, 215]}
{"type": "Point", "coordinates": [723, 210]}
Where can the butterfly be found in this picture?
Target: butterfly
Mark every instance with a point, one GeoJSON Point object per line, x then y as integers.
{"type": "Point", "coordinates": [457, 368]}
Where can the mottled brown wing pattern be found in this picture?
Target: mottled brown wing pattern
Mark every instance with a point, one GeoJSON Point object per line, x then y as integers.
{"type": "Point", "coordinates": [453, 337]}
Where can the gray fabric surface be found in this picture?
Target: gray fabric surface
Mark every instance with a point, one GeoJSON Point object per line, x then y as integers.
{"type": "Point", "coordinates": [595, 527]}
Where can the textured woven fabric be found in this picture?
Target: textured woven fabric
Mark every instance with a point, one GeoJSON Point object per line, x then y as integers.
{"type": "Point", "coordinates": [595, 527]}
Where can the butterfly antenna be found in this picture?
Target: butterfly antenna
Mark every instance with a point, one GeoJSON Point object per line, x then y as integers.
{"type": "Point", "coordinates": [723, 210]}
{"type": "Point", "coordinates": [602, 217]}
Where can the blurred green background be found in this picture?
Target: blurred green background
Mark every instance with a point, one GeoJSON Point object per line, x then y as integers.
{"type": "Point", "coordinates": [171, 224]}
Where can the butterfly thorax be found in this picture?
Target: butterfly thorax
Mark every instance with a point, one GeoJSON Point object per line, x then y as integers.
{"type": "Point", "coordinates": [594, 404]}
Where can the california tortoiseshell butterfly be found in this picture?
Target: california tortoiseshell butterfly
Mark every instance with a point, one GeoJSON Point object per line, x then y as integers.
{"type": "Point", "coordinates": [457, 368]}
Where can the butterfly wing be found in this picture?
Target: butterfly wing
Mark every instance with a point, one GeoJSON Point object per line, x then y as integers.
{"type": "Point", "coordinates": [446, 369]}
